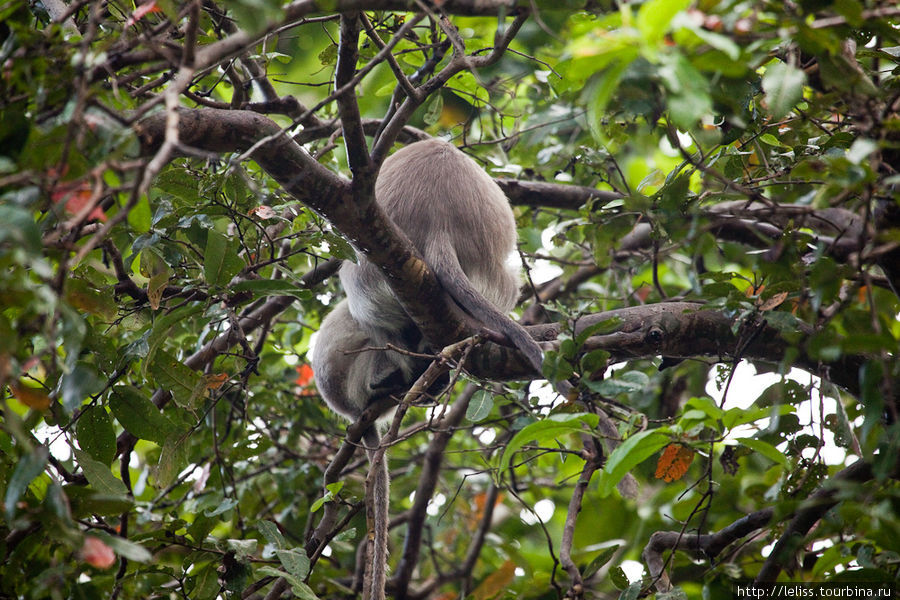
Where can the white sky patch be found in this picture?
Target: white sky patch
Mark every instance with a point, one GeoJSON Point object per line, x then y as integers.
{"type": "Point", "coordinates": [434, 506]}
{"type": "Point", "coordinates": [57, 443]}
{"type": "Point", "coordinates": [633, 570]}
{"type": "Point", "coordinates": [747, 384]}
{"type": "Point", "coordinates": [485, 436]}
{"type": "Point", "coordinates": [543, 511]}
{"type": "Point", "coordinates": [543, 271]}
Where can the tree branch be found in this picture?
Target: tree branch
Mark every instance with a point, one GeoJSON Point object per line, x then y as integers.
{"type": "Point", "coordinates": [348, 109]}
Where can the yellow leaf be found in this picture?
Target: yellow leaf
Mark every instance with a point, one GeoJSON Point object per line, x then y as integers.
{"type": "Point", "coordinates": [35, 398]}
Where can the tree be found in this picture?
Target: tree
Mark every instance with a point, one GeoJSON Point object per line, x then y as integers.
{"type": "Point", "coordinates": [697, 187]}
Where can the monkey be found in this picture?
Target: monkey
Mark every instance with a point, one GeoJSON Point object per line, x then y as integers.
{"type": "Point", "coordinates": [459, 219]}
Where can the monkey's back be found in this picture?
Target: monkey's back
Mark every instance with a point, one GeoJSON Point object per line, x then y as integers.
{"type": "Point", "coordinates": [431, 189]}
{"type": "Point", "coordinates": [442, 200]}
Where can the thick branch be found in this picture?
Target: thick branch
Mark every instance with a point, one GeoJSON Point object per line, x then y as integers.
{"type": "Point", "coordinates": [348, 108]}
{"type": "Point", "coordinates": [680, 330]}
{"type": "Point", "coordinates": [552, 195]}
{"type": "Point", "coordinates": [708, 545]}
{"type": "Point", "coordinates": [331, 196]}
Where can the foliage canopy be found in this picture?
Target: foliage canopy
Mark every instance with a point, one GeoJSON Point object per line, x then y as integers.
{"type": "Point", "coordinates": [698, 186]}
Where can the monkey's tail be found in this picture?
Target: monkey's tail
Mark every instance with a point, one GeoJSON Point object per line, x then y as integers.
{"type": "Point", "coordinates": [377, 520]}
{"type": "Point", "coordinates": [452, 277]}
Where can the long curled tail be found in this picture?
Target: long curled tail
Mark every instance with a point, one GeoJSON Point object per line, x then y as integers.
{"type": "Point", "coordinates": [453, 279]}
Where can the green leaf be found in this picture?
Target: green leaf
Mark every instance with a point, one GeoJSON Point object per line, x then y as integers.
{"type": "Point", "coordinates": [328, 56]}
{"type": "Point", "coordinates": [740, 416]}
{"type": "Point", "coordinates": [27, 469]}
{"type": "Point", "coordinates": [99, 475]}
{"type": "Point", "coordinates": [480, 406]}
{"type": "Point", "coordinates": [632, 592]}
{"type": "Point", "coordinates": [224, 506]}
{"type": "Point", "coordinates": [19, 229]}
{"type": "Point", "coordinates": [771, 140]}
{"type": "Point", "coordinates": [783, 85]}
{"type": "Point", "coordinates": [331, 490]}
{"type": "Point", "coordinates": [766, 449]}
{"type": "Point", "coordinates": [600, 90]}
{"type": "Point", "coordinates": [655, 16]}
{"type": "Point", "coordinates": [206, 584]}
{"type": "Point", "coordinates": [95, 434]}
{"type": "Point", "coordinates": [622, 383]}
{"type": "Point", "coordinates": [633, 451]}
{"type": "Point", "coordinates": [295, 561]}
{"type": "Point", "coordinates": [138, 415]}
{"type": "Point", "coordinates": [272, 287]}
{"type": "Point", "coordinates": [434, 110]}
{"type": "Point", "coordinates": [548, 429]}
{"type": "Point", "coordinates": [600, 560]}
{"type": "Point", "coordinates": [79, 384]}
{"type": "Point", "coordinates": [172, 459]}
{"type": "Point", "coordinates": [272, 534]}
{"type": "Point", "coordinates": [86, 501]}
{"type": "Point", "coordinates": [300, 589]}
{"type": "Point", "coordinates": [162, 327]}
{"type": "Point", "coordinates": [706, 405]}
{"type": "Point", "coordinates": [220, 261]}
{"type": "Point", "coordinates": [185, 384]}
{"type": "Point", "coordinates": [242, 548]}
{"type": "Point", "coordinates": [87, 298]}
{"type": "Point", "coordinates": [618, 578]}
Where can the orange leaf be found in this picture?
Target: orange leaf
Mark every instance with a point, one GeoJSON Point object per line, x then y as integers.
{"type": "Point", "coordinates": [496, 582]}
{"type": "Point", "coordinates": [754, 291]}
{"type": "Point", "coordinates": [96, 553]}
{"type": "Point", "coordinates": [480, 501]}
{"type": "Point", "coordinates": [215, 380]}
{"type": "Point", "coordinates": [35, 398]}
{"type": "Point", "coordinates": [773, 302]}
{"type": "Point", "coordinates": [304, 375]}
{"type": "Point", "coordinates": [674, 462]}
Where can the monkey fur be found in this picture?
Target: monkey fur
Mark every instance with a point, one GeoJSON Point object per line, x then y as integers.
{"type": "Point", "coordinates": [458, 218]}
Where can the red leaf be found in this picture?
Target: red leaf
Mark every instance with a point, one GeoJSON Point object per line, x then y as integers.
{"type": "Point", "coordinates": [76, 196]}
{"type": "Point", "coordinates": [96, 553]}
{"type": "Point", "coordinates": [141, 11]}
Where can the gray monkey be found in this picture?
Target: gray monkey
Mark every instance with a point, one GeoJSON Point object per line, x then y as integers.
{"type": "Point", "coordinates": [458, 218]}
